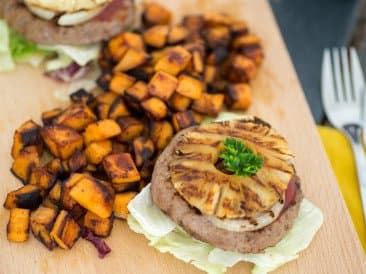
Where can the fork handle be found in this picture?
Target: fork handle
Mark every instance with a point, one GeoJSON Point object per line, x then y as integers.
{"type": "Point", "coordinates": [354, 133]}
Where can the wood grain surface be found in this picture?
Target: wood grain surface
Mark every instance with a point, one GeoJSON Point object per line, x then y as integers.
{"type": "Point", "coordinates": [278, 98]}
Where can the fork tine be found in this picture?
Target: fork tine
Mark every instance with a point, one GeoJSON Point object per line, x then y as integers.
{"type": "Point", "coordinates": [358, 79]}
{"type": "Point", "coordinates": [329, 94]}
{"type": "Point", "coordinates": [349, 95]}
{"type": "Point", "coordinates": [337, 74]}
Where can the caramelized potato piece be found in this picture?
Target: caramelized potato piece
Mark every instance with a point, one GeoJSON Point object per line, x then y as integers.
{"type": "Point", "coordinates": [96, 151]}
{"type": "Point", "coordinates": [155, 14]}
{"type": "Point", "coordinates": [76, 116]}
{"type": "Point", "coordinates": [24, 162]}
{"type": "Point", "coordinates": [41, 222]}
{"type": "Point", "coordinates": [120, 82]}
{"type": "Point", "coordinates": [198, 65]}
{"type": "Point", "coordinates": [144, 149]}
{"type": "Point", "coordinates": [65, 231]}
{"type": "Point", "coordinates": [174, 60]}
{"type": "Point", "coordinates": [121, 201]}
{"type": "Point", "coordinates": [62, 141]}
{"type": "Point", "coordinates": [179, 102]}
{"type": "Point", "coordinates": [50, 115]}
{"type": "Point", "coordinates": [209, 104]}
{"type": "Point", "coordinates": [142, 73]}
{"type": "Point", "coordinates": [27, 197]}
{"type": "Point", "coordinates": [209, 74]}
{"type": "Point", "coordinates": [28, 134]}
{"type": "Point", "coordinates": [189, 87]}
{"type": "Point", "coordinates": [156, 36]}
{"type": "Point", "coordinates": [214, 19]}
{"type": "Point", "coordinates": [130, 128]}
{"type": "Point", "coordinates": [238, 96]}
{"type": "Point", "coordinates": [239, 28]}
{"type": "Point", "coordinates": [217, 56]}
{"type": "Point", "coordinates": [94, 195]}
{"type": "Point", "coordinates": [121, 169]}
{"type": "Point", "coordinates": [103, 111]}
{"type": "Point", "coordinates": [193, 22]}
{"type": "Point", "coordinates": [67, 201]}
{"type": "Point", "coordinates": [155, 108]}
{"type": "Point", "coordinates": [132, 59]}
{"type": "Point", "coordinates": [101, 130]}
{"type": "Point", "coordinates": [106, 98]}
{"type": "Point", "coordinates": [121, 43]}
{"type": "Point", "coordinates": [81, 96]}
{"type": "Point", "coordinates": [55, 168]}
{"type": "Point", "coordinates": [217, 37]}
{"type": "Point", "coordinates": [136, 94]}
{"type": "Point", "coordinates": [99, 226]}
{"type": "Point", "coordinates": [118, 148]}
{"type": "Point", "coordinates": [104, 79]}
{"type": "Point", "coordinates": [77, 161]}
{"type": "Point", "coordinates": [161, 133]}
{"type": "Point", "coordinates": [49, 204]}
{"type": "Point", "coordinates": [177, 34]}
{"type": "Point", "coordinates": [17, 230]}
{"type": "Point", "coordinates": [162, 85]}
{"type": "Point", "coordinates": [250, 46]}
{"type": "Point", "coordinates": [240, 69]}
{"type": "Point", "coordinates": [182, 120]}
{"type": "Point", "coordinates": [118, 109]}
{"type": "Point", "coordinates": [40, 177]}
{"type": "Point", "coordinates": [55, 193]}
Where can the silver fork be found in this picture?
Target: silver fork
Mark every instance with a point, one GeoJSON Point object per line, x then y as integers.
{"type": "Point", "coordinates": [342, 88]}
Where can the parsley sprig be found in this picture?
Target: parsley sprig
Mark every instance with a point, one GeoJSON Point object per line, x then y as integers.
{"type": "Point", "coordinates": [239, 158]}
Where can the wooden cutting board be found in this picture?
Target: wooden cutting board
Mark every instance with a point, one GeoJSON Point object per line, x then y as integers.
{"type": "Point", "coordinates": [278, 98]}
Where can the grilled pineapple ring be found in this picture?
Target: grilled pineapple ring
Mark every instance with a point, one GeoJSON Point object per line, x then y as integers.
{"type": "Point", "coordinates": [224, 196]}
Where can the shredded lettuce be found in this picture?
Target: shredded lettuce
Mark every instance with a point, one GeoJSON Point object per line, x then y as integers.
{"type": "Point", "coordinates": [147, 219]}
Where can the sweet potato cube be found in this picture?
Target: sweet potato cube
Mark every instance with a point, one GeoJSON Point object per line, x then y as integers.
{"type": "Point", "coordinates": [120, 82]}
{"type": "Point", "coordinates": [118, 109]}
{"type": "Point", "coordinates": [133, 40]}
{"type": "Point", "coordinates": [245, 41]}
{"type": "Point", "coordinates": [96, 151]}
{"type": "Point", "coordinates": [103, 111]}
{"type": "Point", "coordinates": [161, 134]}
{"type": "Point", "coordinates": [104, 80]}
{"type": "Point", "coordinates": [189, 87]}
{"type": "Point", "coordinates": [99, 226]}
{"type": "Point", "coordinates": [182, 120]}
{"type": "Point", "coordinates": [41, 222]}
{"type": "Point", "coordinates": [121, 201]}
{"type": "Point", "coordinates": [28, 134]}
{"type": "Point", "coordinates": [118, 46]}
{"type": "Point", "coordinates": [65, 231]}
{"type": "Point", "coordinates": [239, 28]}
{"type": "Point", "coordinates": [101, 130]}
{"type": "Point", "coordinates": [240, 69]}
{"type": "Point", "coordinates": [40, 177]}
{"type": "Point", "coordinates": [81, 96]}
{"type": "Point", "coordinates": [62, 141]}
{"type": "Point", "coordinates": [17, 230]}
{"type": "Point", "coordinates": [210, 74]}
{"type": "Point", "coordinates": [77, 161]}
{"type": "Point", "coordinates": [24, 162]}
{"type": "Point", "coordinates": [250, 46]}
{"type": "Point", "coordinates": [155, 108]}
{"type": "Point", "coordinates": [193, 22]}
{"type": "Point", "coordinates": [174, 60]}
{"type": "Point", "coordinates": [106, 98]}
{"type": "Point", "coordinates": [49, 204]}
{"type": "Point", "coordinates": [156, 36]}
{"type": "Point", "coordinates": [131, 59]}
{"type": "Point", "coordinates": [177, 34]}
{"type": "Point", "coordinates": [217, 36]}
{"type": "Point", "coordinates": [162, 85]}
{"type": "Point", "coordinates": [238, 96]}
{"type": "Point", "coordinates": [155, 14]}
{"type": "Point", "coordinates": [27, 197]}
{"type": "Point", "coordinates": [144, 149]}
{"type": "Point", "coordinates": [118, 148]}
{"type": "Point", "coordinates": [179, 102]}
{"type": "Point", "coordinates": [90, 168]}
{"type": "Point", "coordinates": [136, 94]}
{"type": "Point", "coordinates": [55, 193]}
{"type": "Point", "coordinates": [66, 200]}
{"type": "Point", "coordinates": [121, 169]}
{"type": "Point", "coordinates": [130, 128]}
{"type": "Point", "coordinates": [76, 116]}
{"type": "Point", "coordinates": [197, 62]}
{"type": "Point", "coordinates": [55, 167]}
{"type": "Point", "coordinates": [209, 104]}
{"type": "Point", "coordinates": [94, 195]}
{"type": "Point", "coordinates": [217, 56]}
{"type": "Point", "coordinates": [50, 115]}
{"type": "Point", "coordinates": [214, 19]}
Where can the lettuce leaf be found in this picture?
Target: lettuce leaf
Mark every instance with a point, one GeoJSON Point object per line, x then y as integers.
{"type": "Point", "coordinates": [6, 61]}
{"type": "Point", "coordinates": [145, 218]}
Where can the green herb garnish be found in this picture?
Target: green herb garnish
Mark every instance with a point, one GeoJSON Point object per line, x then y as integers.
{"type": "Point", "coordinates": [239, 158]}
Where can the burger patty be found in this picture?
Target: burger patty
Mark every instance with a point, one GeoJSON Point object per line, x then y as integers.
{"type": "Point", "coordinates": [199, 226]}
{"type": "Point", "coordinates": [120, 16]}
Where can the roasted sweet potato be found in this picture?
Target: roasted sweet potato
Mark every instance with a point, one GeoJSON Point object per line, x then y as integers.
{"type": "Point", "coordinates": [55, 193]}
{"type": "Point", "coordinates": [101, 130]}
{"type": "Point", "coordinates": [174, 60]}
{"type": "Point", "coordinates": [90, 168]}
{"type": "Point", "coordinates": [136, 94]}
{"type": "Point", "coordinates": [209, 74]}
{"type": "Point", "coordinates": [49, 204]}
{"type": "Point", "coordinates": [27, 197]}
{"type": "Point", "coordinates": [65, 231]}
{"type": "Point", "coordinates": [121, 43]}
{"type": "Point", "coordinates": [130, 128]}
{"type": "Point", "coordinates": [104, 79]}
{"type": "Point", "coordinates": [142, 73]}
{"type": "Point", "coordinates": [62, 141]}
{"type": "Point", "coordinates": [161, 133]}
{"type": "Point", "coordinates": [155, 14]}
{"type": "Point", "coordinates": [209, 104]}
{"type": "Point", "coordinates": [156, 36]}
{"type": "Point", "coordinates": [40, 177]}
{"type": "Point", "coordinates": [66, 200]}
{"type": "Point", "coordinates": [217, 56]}
{"type": "Point", "coordinates": [77, 161]}
{"type": "Point", "coordinates": [118, 147]}
{"type": "Point", "coordinates": [81, 96]}
{"type": "Point", "coordinates": [162, 85]}
{"type": "Point", "coordinates": [41, 222]}
{"type": "Point", "coordinates": [177, 34]}
{"type": "Point", "coordinates": [155, 108]}
{"type": "Point", "coordinates": [94, 195]}
{"type": "Point", "coordinates": [214, 19]}
{"type": "Point", "coordinates": [238, 96]}
{"type": "Point", "coordinates": [121, 169]}
{"type": "Point", "coordinates": [143, 149]}
{"type": "Point", "coordinates": [77, 116]}
{"type": "Point", "coordinates": [55, 168]}
{"type": "Point", "coordinates": [121, 201]}
{"type": "Point", "coordinates": [99, 226]}
{"type": "Point", "coordinates": [198, 65]}
{"type": "Point", "coordinates": [193, 22]}
{"type": "Point", "coordinates": [106, 98]}
{"type": "Point", "coordinates": [120, 82]}
{"type": "Point", "coordinates": [182, 120]}
{"type": "Point", "coordinates": [28, 134]}
{"type": "Point", "coordinates": [96, 151]}
{"type": "Point", "coordinates": [103, 111]}
{"type": "Point", "coordinates": [50, 115]}
{"type": "Point", "coordinates": [179, 102]}
{"type": "Point", "coordinates": [17, 230]}
{"type": "Point", "coordinates": [240, 69]}
{"type": "Point", "coordinates": [24, 162]}
{"type": "Point", "coordinates": [189, 87]}
{"type": "Point", "coordinates": [131, 59]}
{"type": "Point", "coordinates": [217, 36]}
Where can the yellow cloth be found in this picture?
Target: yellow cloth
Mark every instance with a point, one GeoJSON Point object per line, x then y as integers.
{"type": "Point", "coordinates": [341, 157]}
